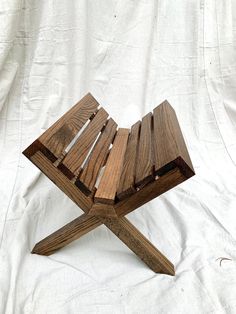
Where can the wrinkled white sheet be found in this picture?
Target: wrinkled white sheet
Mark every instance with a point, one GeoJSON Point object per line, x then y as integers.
{"type": "Point", "coordinates": [130, 55]}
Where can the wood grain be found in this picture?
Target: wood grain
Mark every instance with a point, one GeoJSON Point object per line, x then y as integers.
{"type": "Point", "coordinates": [122, 208]}
{"type": "Point", "coordinates": [38, 146]}
{"type": "Point", "coordinates": [169, 146]}
{"type": "Point", "coordinates": [65, 235]}
{"type": "Point", "coordinates": [126, 184]}
{"type": "Point", "coordinates": [140, 245]}
{"type": "Point", "coordinates": [157, 144]}
{"type": "Point", "coordinates": [145, 165]}
{"type": "Point", "coordinates": [125, 231]}
{"type": "Point", "coordinates": [149, 192]}
{"type": "Point", "coordinates": [61, 181]}
{"type": "Point", "coordinates": [108, 185]}
{"type": "Point", "coordinates": [102, 210]}
{"type": "Point", "coordinates": [77, 154]}
{"type": "Point", "coordinates": [122, 228]}
{"type": "Point", "coordinates": [88, 177]}
{"type": "Point", "coordinates": [61, 133]}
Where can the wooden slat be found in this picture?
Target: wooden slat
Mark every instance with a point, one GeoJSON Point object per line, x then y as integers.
{"type": "Point", "coordinates": [62, 132]}
{"type": "Point", "coordinates": [144, 167]}
{"type": "Point", "coordinates": [80, 149]}
{"type": "Point", "coordinates": [108, 185]}
{"type": "Point", "coordinates": [169, 146]}
{"type": "Point", "coordinates": [88, 177]}
{"type": "Point", "coordinates": [126, 184]}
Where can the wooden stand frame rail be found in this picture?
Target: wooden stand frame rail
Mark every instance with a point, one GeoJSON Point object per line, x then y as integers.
{"type": "Point", "coordinates": [109, 172]}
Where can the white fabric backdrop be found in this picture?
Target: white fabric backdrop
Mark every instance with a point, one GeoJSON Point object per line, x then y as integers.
{"type": "Point", "coordinates": [130, 55]}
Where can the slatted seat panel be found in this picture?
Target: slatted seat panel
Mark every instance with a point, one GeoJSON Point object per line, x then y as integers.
{"type": "Point", "coordinates": [152, 147]}
{"type": "Point", "coordinates": [81, 152]}
{"type": "Point", "coordinates": [62, 132]}
{"type": "Point", "coordinates": [74, 159]}
{"type": "Point", "coordinates": [87, 179]}
{"type": "Point", "coordinates": [138, 167]}
{"type": "Point", "coordinates": [157, 148]}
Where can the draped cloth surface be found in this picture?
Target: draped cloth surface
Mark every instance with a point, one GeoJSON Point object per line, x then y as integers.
{"type": "Point", "coordinates": [131, 55]}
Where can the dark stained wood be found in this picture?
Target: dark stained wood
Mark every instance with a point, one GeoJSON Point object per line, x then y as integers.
{"type": "Point", "coordinates": [88, 177]}
{"type": "Point", "coordinates": [149, 192]}
{"type": "Point", "coordinates": [62, 132]}
{"type": "Point", "coordinates": [65, 235]}
{"type": "Point", "coordinates": [61, 181]}
{"type": "Point", "coordinates": [169, 146]}
{"type": "Point", "coordinates": [108, 185]}
{"type": "Point", "coordinates": [158, 132]}
{"type": "Point", "coordinates": [145, 166]}
{"type": "Point", "coordinates": [38, 146]}
{"type": "Point", "coordinates": [126, 184]}
{"type": "Point", "coordinates": [80, 149]}
{"type": "Point", "coordinates": [122, 228]}
{"type": "Point", "coordinates": [140, 245]}
{"type": "Point", "coordinates": [76, 229]}
{"type": "Point", "coordinates": [102, 210]}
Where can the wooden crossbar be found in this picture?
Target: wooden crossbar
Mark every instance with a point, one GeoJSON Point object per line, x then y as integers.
{"type": "Point", "coordinates": [108, 172]}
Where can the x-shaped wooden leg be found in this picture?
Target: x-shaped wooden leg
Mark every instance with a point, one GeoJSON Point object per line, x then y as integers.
{"type": "Point", "coordinates": [119, 225]}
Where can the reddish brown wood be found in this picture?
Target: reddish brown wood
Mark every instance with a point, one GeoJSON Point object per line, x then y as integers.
{"type": "Point", "coordinates": [102, 210]}
{"type": "Point", "coordinates": [38, 146]}
{"type": "Point", "coordinates": [80, 149]}
{"type": "Point", "coordinates": [122, 228]}
{"type": "Point", "coordinates": [62, 132]}
{"type": "Point", "coordinates": [122, 208]}
{"type": "Point", "coordinates": [88, 177]}
{"type": "Point", "coordinates": [82, 225]}
{"type": "Point", "coordinates": [61, 181]}
{"type": "Point", "coordinates": [169, 146]}
{"type": "Point", "coordinates": [140, 245]}
{"type": "Point", "coordinates": [126, 184]}
{"type": "Point", "coordinates": [144, 168]}
{"type": "Point", "coordinates": [107, 188]}
{"type": "Point", "coordinates": [125, 168]}
{"type": "Point", "coordinates": [65, 235]}
{"type": "Point", "coordinates": [149, 192]}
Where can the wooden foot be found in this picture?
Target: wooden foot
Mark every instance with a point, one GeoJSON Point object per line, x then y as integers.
{"type": "Point", "coordinates": [63, 236]}
{"type": "Point", "coordinates": [140, 245]}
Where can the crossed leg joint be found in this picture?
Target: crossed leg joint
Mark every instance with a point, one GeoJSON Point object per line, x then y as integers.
{"type": "Point", "coordinates": [120, 226]}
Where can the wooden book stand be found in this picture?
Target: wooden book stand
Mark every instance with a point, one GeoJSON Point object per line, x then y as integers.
{"type": "Point", "coordinates": [109, 172]}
